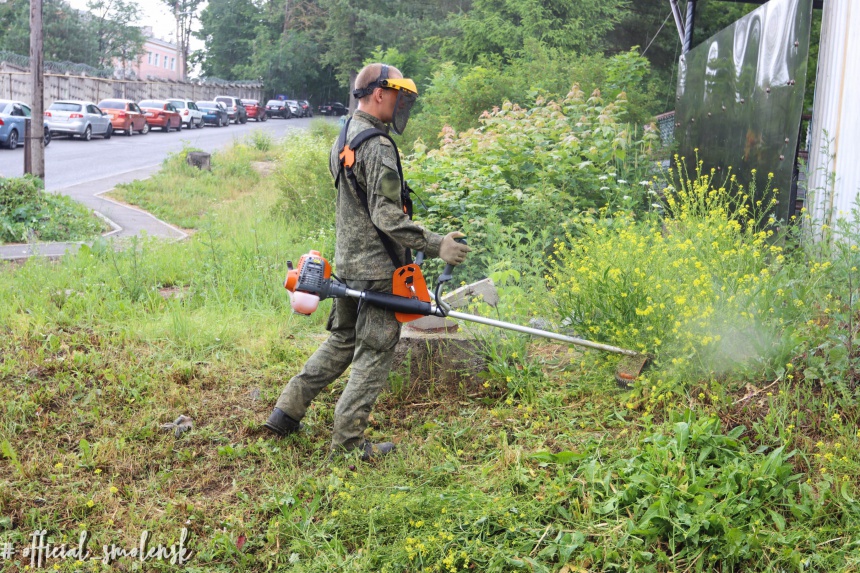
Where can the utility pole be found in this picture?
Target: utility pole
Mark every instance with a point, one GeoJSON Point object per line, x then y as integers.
{"type": "Point", "coordinates": [36, 141]}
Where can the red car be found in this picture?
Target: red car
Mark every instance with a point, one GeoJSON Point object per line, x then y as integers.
{"type": "Point", "coordinates": [255, 110]}
{"type": "Point", "coordinates": [160, 113]}
{"type": "Point", "coordinates": [125, 116]}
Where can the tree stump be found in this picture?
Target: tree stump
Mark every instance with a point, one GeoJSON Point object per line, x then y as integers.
{"type": "Point", "coordinates": [442, 359]}
{"type": "Point", "coordinates": [433, 351]}
{"type": "Point", "coordinates": [199, 159]}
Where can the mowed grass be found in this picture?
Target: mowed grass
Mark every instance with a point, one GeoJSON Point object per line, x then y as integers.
{"type": "Point", "coordinates": [186, 195]}
{"type": "Point", "coordinates": [536, 464]}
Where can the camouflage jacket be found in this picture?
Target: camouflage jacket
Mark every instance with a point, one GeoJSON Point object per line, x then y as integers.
{"type": "Point", "coordinates": [359, 253]}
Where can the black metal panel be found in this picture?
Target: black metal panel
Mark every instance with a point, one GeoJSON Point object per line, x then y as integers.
{"type": "Point", "coordinates": [740, 97]}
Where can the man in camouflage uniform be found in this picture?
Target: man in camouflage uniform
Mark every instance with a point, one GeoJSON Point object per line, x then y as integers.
{"type": "Point", "coordinates": [364, 337]}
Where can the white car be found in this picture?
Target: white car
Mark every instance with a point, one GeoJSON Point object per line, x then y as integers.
{"type": "Point", "coordinates": [189, 112]}
{"type": "Point", "coordinates": [75, 117]}
{"type": "Point", "coordinates": [295, 108]}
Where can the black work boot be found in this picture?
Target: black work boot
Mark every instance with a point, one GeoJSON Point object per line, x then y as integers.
{"type": "Point", "coordinates": [374, 451]}
{"type": "Point", "coordinates": [281, 424]}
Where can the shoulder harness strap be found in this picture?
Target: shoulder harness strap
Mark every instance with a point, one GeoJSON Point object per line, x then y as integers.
{"type": "Point", "coordinates": [347, 162]}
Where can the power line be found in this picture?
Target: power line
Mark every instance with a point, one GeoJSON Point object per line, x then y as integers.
{"type": "Point", "coordinates": [674, 70]}
{"type": "Point", "coordinates": [657, 34]}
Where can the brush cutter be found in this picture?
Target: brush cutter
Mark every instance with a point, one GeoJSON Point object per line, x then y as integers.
{"type": "Point", "coordinates": [410, 299]}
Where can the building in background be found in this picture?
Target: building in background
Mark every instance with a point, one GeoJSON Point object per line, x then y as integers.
{"type": "Point", "coordinates": [158, 59]}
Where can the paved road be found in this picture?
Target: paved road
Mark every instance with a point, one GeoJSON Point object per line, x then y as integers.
{"type": "Point", "coordinates": [84, 170]}
{"type": "Point", "coordinates": [70, 162]}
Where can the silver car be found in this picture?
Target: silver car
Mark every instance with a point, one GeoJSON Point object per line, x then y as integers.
{"type": "Point", "coordinates": [295, 108]}
{"type": "Point", "coordinates": [81, 118]}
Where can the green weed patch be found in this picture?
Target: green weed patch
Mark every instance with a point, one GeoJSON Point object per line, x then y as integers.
{"type": "Point", "coordinates": [27, 213]}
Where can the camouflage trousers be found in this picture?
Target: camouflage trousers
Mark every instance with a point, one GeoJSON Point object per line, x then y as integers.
{"type": "Point", "coordinates": [363, 337]}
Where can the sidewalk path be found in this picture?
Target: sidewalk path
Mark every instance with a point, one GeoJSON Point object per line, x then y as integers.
{"type": "Point", "coordinates": [126, 221]}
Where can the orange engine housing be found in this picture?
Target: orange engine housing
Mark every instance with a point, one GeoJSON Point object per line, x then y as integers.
{"type": "Point", "coordinates": [292, 279]}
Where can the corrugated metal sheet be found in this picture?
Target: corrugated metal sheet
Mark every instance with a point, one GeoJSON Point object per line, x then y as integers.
{"type": "Point", "coordinates": [834, 147]}
{"type": "Point", "coordinates": [740, 99]}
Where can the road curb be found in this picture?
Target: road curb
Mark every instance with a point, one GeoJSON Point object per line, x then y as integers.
{"type": "Point", "coordinates": [114, 227]}
{"type": "Point", "coordinates": [100, 195]}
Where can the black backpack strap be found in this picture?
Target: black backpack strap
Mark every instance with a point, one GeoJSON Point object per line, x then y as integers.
{"type": "Point", "coordinates": [347, 161]}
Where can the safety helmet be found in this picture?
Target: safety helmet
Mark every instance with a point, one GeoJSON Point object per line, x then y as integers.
{"type": "Point", "coordinates": [407, 93]}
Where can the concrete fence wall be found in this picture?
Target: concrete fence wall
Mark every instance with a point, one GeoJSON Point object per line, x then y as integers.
{"type": "Point", "coordinates": [15, 85]}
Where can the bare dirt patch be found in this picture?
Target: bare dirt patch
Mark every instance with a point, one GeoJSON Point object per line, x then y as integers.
{"type": "Point", "coordinates": [264, 168]}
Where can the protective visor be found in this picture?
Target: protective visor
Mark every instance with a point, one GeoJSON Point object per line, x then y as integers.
{"type": "Point", "coordinates": [407, 93]}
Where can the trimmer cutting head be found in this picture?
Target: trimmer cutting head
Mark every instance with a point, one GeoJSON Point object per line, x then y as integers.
{"type": "Point", "coordinates": [629, 369]}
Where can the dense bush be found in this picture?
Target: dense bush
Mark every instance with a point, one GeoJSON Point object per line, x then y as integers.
{"type": "Point", "coordinates": [679, 285]}
{"type": "Point", "coordinates": [457, 95]}
{"type": "Point", "coordinates": [703, 289]}
{"type": "Point", "coordinates": [27, 213]}
{"type": "Point", "coordinates": [529, 169]}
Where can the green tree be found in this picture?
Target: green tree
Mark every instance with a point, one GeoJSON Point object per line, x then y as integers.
{"type": "Point", "coordinates": [115, 36]}
{"type": "Point", "coordinates": [66, 33]}
{"type": "Point", "coordinates": [229, 31]}
{"type": "Point", "coordinates": [185, 12]}
{"type": "Point", "coordinates": [356, 29]}
{"type": "Point", "coordinates": [288, 51]}
{"type": "Point", "coordinates": [649, 24]}
{"type": "Point", "coordinates": [290, 66]}
{"type": "Point", "coordinates": [15, 26]}
{"type": "Point", "coordinates": [502, 27]}
{"type": "Point", "coordinates": [350, 34]}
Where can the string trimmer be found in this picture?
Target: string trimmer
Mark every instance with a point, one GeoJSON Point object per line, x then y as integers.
{"type": "Point", "coordinates": [410, 299]}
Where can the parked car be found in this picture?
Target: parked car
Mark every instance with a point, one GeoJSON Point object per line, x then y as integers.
{"type": "Point", "coordinates": [333, 108]}
{"type": "Point", "coordinates": [255, 110]}
{"type": "Point", "coordinates": [213, 113]}
{"type": "Point", "coordinates": [161, 113]}
{"type": "Point", "coordinates": [295, 108]}
{"type": "Point", "coordinates": [278, 108]}
{"type": "Point", "coordinates": [125, 116]}
{"type": "Point", "coordinates": [12, 116]}
{"type": "Point", "coordinates": [234, 108]}
{"type": "Point", "coordinates": [188, 112]}
{"type": "Point", "coordinates": [307, 110]}
{"type": "Point", "coordinates": [78, 118]}
{"type": "Point", "coordinates": [223, 106]}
